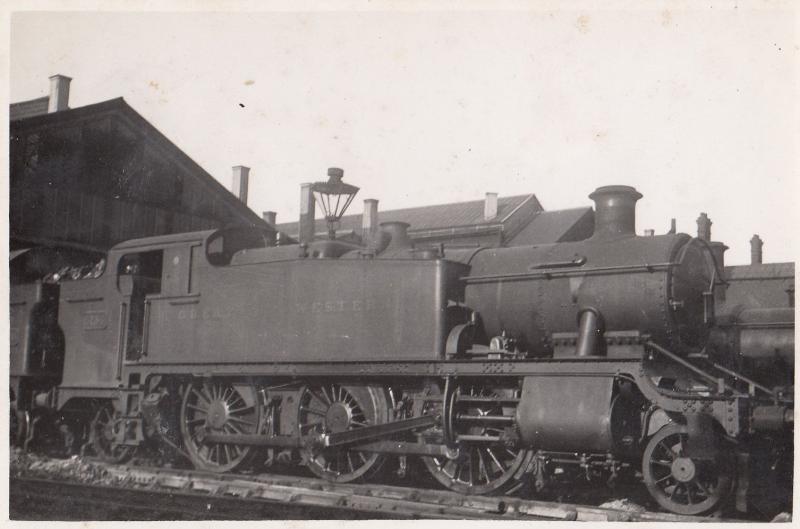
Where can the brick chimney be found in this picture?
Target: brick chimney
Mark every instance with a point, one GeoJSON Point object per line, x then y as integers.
{"type": "Point", "coordinates": [308, 212]}
{"type": "Point", "coordinates": [704, 227]}
{"type": "Point", "coordinates": [269, 217]}
{"type": "Point", "coordinates": [756, 246]}
{"type": "Point", "coordinates": [240, 182]}
{"type": "Point", "coordinates": [490, 206]}
{"type": "Point", "coordinates": [59, 93]}
{"type": "Point", "coordinates": [369, 220]}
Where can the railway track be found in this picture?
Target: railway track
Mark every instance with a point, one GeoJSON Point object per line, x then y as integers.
{"type": "Point", "coordinates": [49, 499]}
{"type": "Point", "coordinates": [156, 493]}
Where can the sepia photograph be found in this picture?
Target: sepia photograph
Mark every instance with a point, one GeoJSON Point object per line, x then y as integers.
{"type": "Point", "coordinates": [358, 260]}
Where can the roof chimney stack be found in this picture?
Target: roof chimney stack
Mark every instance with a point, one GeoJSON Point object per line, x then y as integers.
{"type": "Point", "coordinates": [59, 93]}
{"type": "Point", "coordinates": [615, 211]}
{"type": "Point", "coordinates": [269, 217]}
{"type": "Point", "coordinates": [718, 250]}
{"type": "Point", "coordinates": [369, 220]}
{"type": "Point", "coordinates": [490, 206]}
{"type": "Point", "coordinates": [704, 227]}
{"type": "Point", "coordinates": [756, 245]}
{"type": "Point", "coordinates": [240, 182]}
{"type": "Point", "coordinates": [308, 211]}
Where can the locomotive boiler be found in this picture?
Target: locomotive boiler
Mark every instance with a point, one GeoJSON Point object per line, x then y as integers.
{"type": "Point", "coordinates": [496, 367]}
{"type": "Point", "coordinates": [658, 285]}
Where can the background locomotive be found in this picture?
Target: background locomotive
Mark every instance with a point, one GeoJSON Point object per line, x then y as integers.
{"type": "Point", "coordinates": [495, 366]}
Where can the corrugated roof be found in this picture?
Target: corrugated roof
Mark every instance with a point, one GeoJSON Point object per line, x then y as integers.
{"type": "Point", "coordinates": [551, 226]}
{"type": "Point", "coordinates": [428, 217]}
{"type": "Point", "coordinates": [26, 109]}
{"type": "Point", "coordinates": [760, 271]}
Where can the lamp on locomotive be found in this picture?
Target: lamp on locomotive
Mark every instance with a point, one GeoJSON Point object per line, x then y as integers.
{"type": "Point", "coordinates": [334, 197]}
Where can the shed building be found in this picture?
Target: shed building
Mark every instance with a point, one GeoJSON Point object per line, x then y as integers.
{"type": "Point", "coordinates": [90, 177]}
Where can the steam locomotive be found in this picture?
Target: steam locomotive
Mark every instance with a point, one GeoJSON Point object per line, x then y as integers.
{"type": "Point", "coordinates": [496, 367]}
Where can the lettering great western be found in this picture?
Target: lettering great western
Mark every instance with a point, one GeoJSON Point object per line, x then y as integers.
{"type": "Point", "coordinates": [340, 305]}
{"type": "Point", "coordinates": [204, 314]}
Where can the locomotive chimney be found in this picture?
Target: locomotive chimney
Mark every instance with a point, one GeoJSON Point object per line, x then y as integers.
{"type": "Point", "coordinates": [399, 235]}
{"type": "Point", "coordinates": [269, 217]}
{"type": "Point", "coordinates": [756, 245]}
{"type": "Point", "coordinates": [240, 182]}
{"type": "Point", "coordinates": [615, 211]}
{"type": "Point", "coordinates": [704, 227]}
{"type": "Point", "coordinates": [307, 213]}
{"type": "Point", "coordinates": [369, 220]}
{"type": "Point", "coordinates": [59, 93]}
{"type": "Point", "coordinates": [490, 206]}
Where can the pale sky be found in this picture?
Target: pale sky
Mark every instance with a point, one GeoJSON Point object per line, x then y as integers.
{"type": "Point", "coordinates": [697, 108]}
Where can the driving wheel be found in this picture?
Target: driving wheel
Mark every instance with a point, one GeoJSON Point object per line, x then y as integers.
{"type": "Point", "coordinates": [484, 464]}
{"type": "Point", "coordinates": [219, 407]}
{"type": "Point", "coordinates": [334, 408]}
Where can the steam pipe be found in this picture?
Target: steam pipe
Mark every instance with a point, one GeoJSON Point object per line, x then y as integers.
{"type": "Point", "coordinates": [590, 323]}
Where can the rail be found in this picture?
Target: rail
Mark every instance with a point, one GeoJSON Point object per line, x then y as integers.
{"type": "Point", "coordinates": [207, 495]}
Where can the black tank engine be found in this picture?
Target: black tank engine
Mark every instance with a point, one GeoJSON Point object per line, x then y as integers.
{"type": "Point", "coordinates": [495, 367]}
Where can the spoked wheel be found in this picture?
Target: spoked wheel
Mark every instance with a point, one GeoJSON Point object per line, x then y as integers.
{"type": "Point", "coordinates": [484, 465]}
{"type": "Point", "coordinates": [679, 483]}
{"type": "Point", "coordinates": [336, 408]}
{"type": "Point", "coordinates": [219, 407]}
{"type": "Point", "coordinates": [103, 431]}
